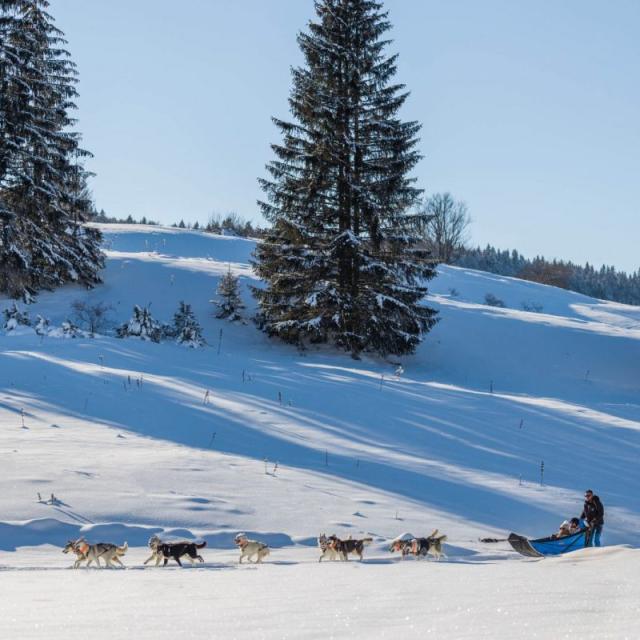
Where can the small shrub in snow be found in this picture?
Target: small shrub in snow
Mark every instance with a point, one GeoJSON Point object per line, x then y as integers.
{"type": "Point", "coordinates": [493, 301]}
{"type": "Point", "coordinates": [13, 317]}
{"type": "Point", "coordinates": [229, 302]}
{"type": "Point", "coordinates": [141, 325]}
{"type": "Point", "coordinates": [186, 329]}
{"type": "Point", "coordinates": [93, 317]}
{"type": "Point", "coordinates": [453, 292]}
{"type": "Point", "coordinates": [535, 307]}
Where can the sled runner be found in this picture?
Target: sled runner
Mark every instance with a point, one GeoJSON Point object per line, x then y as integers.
{"type": "Point", "coordinates": [548, 546]}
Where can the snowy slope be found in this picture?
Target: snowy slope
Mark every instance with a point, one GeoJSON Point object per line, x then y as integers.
{"type": "Point", "coordinates": [126, 437]}
{"type": "Point", "coordinates": [121, 431]}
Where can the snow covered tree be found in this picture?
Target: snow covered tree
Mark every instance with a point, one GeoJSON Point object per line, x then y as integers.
{"type": "Point", "coordinates": [13, 317]}
{"type": "Point", "coordinates": [43, 203]}
{"type": "Point", "coordinates": [70, 330]}
{"type": "Point", "coordinates": [229, 302]}
{"type": "Point", "coordinates": [342, 262]}
{"type": "Point", "coordinates": [41, 325]}
{"type": "Point", "coordinates": [141, 325]}
{"type": "Point", "coordinates": [186, 328]}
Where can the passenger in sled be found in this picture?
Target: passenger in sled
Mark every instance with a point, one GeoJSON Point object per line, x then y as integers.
{"type": "Point", "coordinates": [568, 528]}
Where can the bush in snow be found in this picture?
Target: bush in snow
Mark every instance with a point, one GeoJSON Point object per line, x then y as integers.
{"type": "Point", "coordinates": [493, 301]}
{"type": "Point", "coordinates": [229, 302]}
{"type": "Point", "coordinates": [186, 329]}
{"type": "Point", "coordinates": [535, 307]}
{"type": "Point", "coordinates": [13, 317]}
{"type": "Point", "coordinates": [141, 325]}
{"type": "Point", "coordinates": [93, 317]}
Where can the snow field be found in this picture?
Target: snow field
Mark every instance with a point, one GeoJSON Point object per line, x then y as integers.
{"type": "Point", "coordinates": [125, 435]}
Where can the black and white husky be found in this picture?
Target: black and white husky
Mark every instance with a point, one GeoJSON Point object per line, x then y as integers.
{"type": "Point", "coordinates": [332, 547]}
{"type": "Point", "coordinates": [164, 551]}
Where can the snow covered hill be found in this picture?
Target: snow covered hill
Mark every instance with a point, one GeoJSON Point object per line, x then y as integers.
{"type": "Point", "coordinates": [134, 438]}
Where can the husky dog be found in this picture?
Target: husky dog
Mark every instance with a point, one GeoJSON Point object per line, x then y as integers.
{"type": "Point", "coordinates": [177, 550]}
{"type": "Point", "coordinates": [419, 547]}
{"type": "Point", "coordinates": [344, 547]}
{"type": "Point", "coordinates": [89, 553]}
{"type": "Point", "coordinates": [249, 548]}
{"type": "Point", "coordinates": [327, 547]}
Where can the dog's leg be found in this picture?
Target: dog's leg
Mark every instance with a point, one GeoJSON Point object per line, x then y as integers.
{"type": "Point", "coordinates": [200, 558]}
{"type": "Point", "coordinates": [178, 560]}
{"type": "Point", "coordinates": [150, 558]}
{"type": "Point", "coordinates": [118, 561]}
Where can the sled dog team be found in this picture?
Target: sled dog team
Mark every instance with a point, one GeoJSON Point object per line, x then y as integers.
{"type": "Point", "coordinates": [331, 547]}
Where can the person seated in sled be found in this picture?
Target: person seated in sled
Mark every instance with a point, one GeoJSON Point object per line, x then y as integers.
{"type": "Point", "coordinates": [564, 530]}
{"type": "Point", "coordinates": [575, 525]}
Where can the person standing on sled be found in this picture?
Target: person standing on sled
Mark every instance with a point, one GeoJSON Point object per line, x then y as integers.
{"type": "Point", "coordinates": [593, 515]}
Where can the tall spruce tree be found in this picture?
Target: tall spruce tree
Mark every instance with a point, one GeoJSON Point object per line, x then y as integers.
{"type": "Point", "coordinates": [43, 203]}
{"type": "Point", "coordinates": [341, 261]}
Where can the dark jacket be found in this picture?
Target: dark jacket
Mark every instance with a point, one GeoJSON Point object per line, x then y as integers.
{"type": "Point", "coordinates": [593, 512]}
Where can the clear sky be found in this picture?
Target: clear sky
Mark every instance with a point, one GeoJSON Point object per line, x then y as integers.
{"type": "Point", "coordinates": [530, 110]}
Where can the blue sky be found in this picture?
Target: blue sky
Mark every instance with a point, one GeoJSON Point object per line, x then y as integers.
{"type": "Point", "coordinates": [530, 110]}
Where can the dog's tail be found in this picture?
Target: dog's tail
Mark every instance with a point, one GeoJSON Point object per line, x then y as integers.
{"type": "Point", "coordinates": [441, 539]}
{"type": "Point", "coordinates": [123, 549]}
{"type": "Point", "coordinates": [366, 541]}
{"type": "Point", "coordinates": [201, 545]}
{"type": "Point", "coordinates": [265, 551]}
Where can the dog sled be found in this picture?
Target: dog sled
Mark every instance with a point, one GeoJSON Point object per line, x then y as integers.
{"type": "Point", "coordinates": [550, 546]}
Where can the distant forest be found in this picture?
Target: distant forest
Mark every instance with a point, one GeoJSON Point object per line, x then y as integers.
{"type": "Point", "coordinates": [605, 283]}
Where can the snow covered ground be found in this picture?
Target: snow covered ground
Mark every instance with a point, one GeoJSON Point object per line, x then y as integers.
{"type": "Point", "coordinates": [125, 436]}
{"type": "Point", "coordinates": [587, 594]}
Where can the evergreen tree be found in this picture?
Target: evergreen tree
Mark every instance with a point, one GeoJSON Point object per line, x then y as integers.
{"type": "Point", "coordinates": [70, 330]}
{"type": "Point", "coordinates": [43, 196]}
{"type": "Point", "coordinates": [341, 261]}
{"type": "Point", "coordinates": [186, 328]}
{"type": "Point", "coordinates": [229, 302]}
{"type": "Point", "coordinates": [13, 318]}
{"type": "Point", "coordinates": [141, 325]}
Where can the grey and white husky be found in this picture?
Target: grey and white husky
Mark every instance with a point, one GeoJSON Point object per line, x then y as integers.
{"type": "Point", "coordinates": [327, 547]}
{"type": "Point", "coordinates": [89, 553]}
{"type": "Point", "coordinates": [155, 544]}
